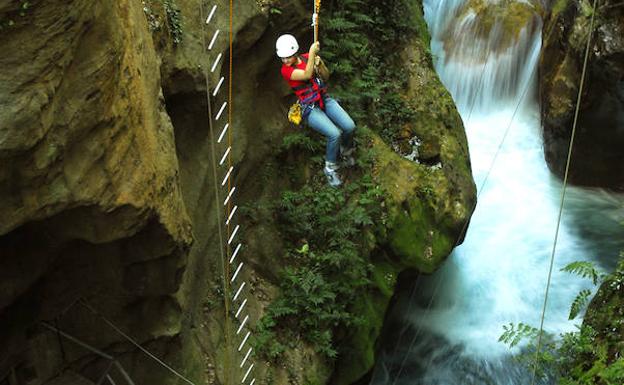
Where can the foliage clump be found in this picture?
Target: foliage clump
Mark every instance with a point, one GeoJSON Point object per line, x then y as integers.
{"type": "Point", "coordinates": [164, 15]}
{"type": "Point", "coordinates": [326, 267]}
{"type": "Point", "coordinates": [362, 42]}
{"type": "Point", "coordinates": [592, 355]}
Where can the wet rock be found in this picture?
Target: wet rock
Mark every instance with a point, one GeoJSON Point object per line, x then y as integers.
{"type": "Point", "coordinates": [597, 157]}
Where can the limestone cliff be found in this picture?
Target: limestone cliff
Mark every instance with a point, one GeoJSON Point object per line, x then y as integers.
{"type": "Point", "coordinates": [598, 159]}
{"type": "Point", "coordinates": [107, 189]}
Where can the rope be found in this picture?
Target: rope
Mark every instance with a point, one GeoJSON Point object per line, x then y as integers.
{"type": "Point", "coordinates": [315, 17]}
{"type": "Point", "coordinates": [133, 342]}
{"type": "Point", "coordinates": [563, 192]}
{"type": "Point", "coordinates": [60, 341]}
{"type": "Point", "coordinates": [223, 253]}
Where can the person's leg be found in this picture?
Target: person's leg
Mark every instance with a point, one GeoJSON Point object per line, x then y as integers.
{"type": "Point", "coordinates": [340, 117]}
{"type": "Point", "coordinates": [319, 121]}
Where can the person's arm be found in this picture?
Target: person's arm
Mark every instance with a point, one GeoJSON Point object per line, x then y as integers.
{"type": "Point", "coordinates": [301, 75]}
{"type": "Point", "coordinates": [322, 69]}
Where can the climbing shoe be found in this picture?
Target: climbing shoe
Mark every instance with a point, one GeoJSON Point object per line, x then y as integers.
{"type": "Point", "coordinates": [331, 172]}
{"type": "Point", "coordinates": [346, 155]}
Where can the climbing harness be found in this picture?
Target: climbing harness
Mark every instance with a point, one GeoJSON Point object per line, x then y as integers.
{"type": "Point", "coordinates": [312, 91]}
{"type": "Point", "coordinates": [309, 94]}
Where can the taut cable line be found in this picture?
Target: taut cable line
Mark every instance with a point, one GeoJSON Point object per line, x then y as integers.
{"type": "Point", "coordinates": [563, 192]}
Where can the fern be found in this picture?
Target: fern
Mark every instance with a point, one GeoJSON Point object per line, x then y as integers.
{"type": "Point", "coordinates": [584, 269]}
{"type": "Point", "coordinates": [513, 334]}
{"type": "Point", "coordinates": [583, 357]}
{"type": "Point", "coordinates": [579, 303]}
{"type": "Point", "coordinates": [323, 277]}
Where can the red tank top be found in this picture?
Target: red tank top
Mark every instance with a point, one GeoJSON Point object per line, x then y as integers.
{"type": "Point", "coordinates": [311, 91]}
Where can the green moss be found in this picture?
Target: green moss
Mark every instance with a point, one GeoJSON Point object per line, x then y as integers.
{"type": "Point", "coordinates": [358, 351]}
{"type": "Point", "coordinates": [407, 238]}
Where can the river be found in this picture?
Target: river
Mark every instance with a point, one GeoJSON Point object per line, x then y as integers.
{"type": "Point", "coordinates": [443, 329]}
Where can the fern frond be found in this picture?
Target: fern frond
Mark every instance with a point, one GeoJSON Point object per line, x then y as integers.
{"type": "Point", "coordinates": [579, 303]}
{"type": "Point", "coordinates": [584, 269]}
{"type": "Point", "coordinates": [513, 334]}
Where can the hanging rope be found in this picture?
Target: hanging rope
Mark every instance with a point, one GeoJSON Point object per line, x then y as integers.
{"type": "Point", "coordinates": [563, 192]}
{"type": "Point", "coordinates": [315, 19]}
{"type": "Point", "coordinates": [224, 264]}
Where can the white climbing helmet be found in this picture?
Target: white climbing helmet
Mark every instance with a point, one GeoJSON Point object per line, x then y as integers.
{"type": "Point", "coordinates": [286, 46]}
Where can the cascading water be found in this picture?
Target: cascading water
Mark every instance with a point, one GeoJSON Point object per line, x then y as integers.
{"type": "Point", "coordinates": [444, 328]}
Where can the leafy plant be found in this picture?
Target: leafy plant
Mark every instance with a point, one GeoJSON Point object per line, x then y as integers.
{"type": "Point", "coordinates": [586, 356]}
{"type": "Point", "coordinates": [153, 10]}
{"type": "Point", "coordinates": [584, 269]}
{"type": "Point", "coordinates": [328, 230]}
{"type": "Point", "coordinates": [514, 334]}
{"type": "Point", "coordinates": [300, 141]}
{"type": "Point", "coordinates": [326, 264]}
{"type": "Point", "coordinates": [362, 43]}
{"type": "Point", "coordinates": [174, 21]}
{"type": "Point", "coordinates": [579, 303]}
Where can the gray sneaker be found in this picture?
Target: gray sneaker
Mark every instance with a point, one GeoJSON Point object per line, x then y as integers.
{"type": "Point", "coordinates": [331, 173]}
{"type": "Point", "coordinates": [347, 156]}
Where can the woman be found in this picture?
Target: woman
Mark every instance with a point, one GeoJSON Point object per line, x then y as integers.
{"type": "Point", "coordinates": [320, 111]}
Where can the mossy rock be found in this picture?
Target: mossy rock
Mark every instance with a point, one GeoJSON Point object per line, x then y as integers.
{"type": "Point", "coordinates": [511, 16]}
{"type": "Point", "coordinates": [606, 314]}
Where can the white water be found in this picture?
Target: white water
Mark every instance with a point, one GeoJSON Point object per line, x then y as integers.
{"type": "Point", "coordinates": [499, 274]}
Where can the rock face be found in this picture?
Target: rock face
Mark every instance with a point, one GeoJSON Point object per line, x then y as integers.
{"type": "Point", "coordinates": [89, 188]}
{"type": "Point", "coordinates": [605, 316]}
{"type": "Point", "coordinates": [597, 159]}
{"type": "Point", "coordinates": [107, 190]}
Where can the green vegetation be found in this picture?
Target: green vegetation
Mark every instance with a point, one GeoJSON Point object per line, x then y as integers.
{"type": "Point", "coordinates": [340, 251]}
{"type": "Point", "coordinates": [329, 234]}
{"type": "Point", "coordinates": [332, 287]}
{"type": "Point", "coordinates": [558, 7]}
{"type": "Point", "coordinates": [164, 15]}
{"type": "Point", "coordinates": [593, 354]}
{"type": "Point", "coordinates": [10, 19]}
{"type": "Point", "coordinates": [362, 42]}
{"type": "Point", "coordinates": [173, 21]}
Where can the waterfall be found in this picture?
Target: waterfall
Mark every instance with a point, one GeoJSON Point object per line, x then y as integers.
{"type": "Point", "coordinates": [444, 328]}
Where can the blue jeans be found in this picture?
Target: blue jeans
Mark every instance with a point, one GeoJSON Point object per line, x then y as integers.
{"type": "Point", "coordinates": [333, 123]}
